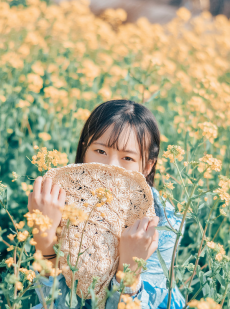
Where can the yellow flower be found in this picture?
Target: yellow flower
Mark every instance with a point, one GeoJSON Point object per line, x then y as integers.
{"type": "Point", "coordinates": [223, 213]}
{"type": "Point", "coordinates": [20, 225]}
{"type": "Point", "coordinates": [174, 152]}
{"type": "Point", "coordinates": [33, 242]}
{"type": "Point", "coordinates": [120, 274]}
{"type": "Point", "coordinates": [213, 164]}
{"type": "Point", "coordinates": [15, 176]}
{"type": "Point", "coordinates": [129, 303]}
{"type": "Point", "coordinates": [38, 255]}
{"type": "Point", "coordinates": [82, 114]}
{"type": "Point", "coordinates": [184, 14]}
{"type": "Point", "coordinates": [55, 272]}
{"type": "Point", "coordinates": [45, 159]}
{"type": "Point", "coordinates": [204, 304]}
{"type": "Point", "coordinates": [19, 285]}
{"type": "Point", "coordinates": [9, 261]}
{"type": "Point", "coordinates": [43, 222]}
{"type": "Point", "coordinates": [169, 185]}
{"type": "Point", "coordinates": [211, 244]}
{"type": "Point", "coordinates": [37, 266]}
{"type": "Point", "coordinates": [209, 130]}
{"type": "Point", "coordinates": [44, 136]}
{"type": "Point", "coordinates": [35, 231]}
{"type": "Point", "coordinates": [74, 214]}
{"type": "Point", "coordinates": [219, 257]}
{"type": "Point", "coordinates": [23, 103]}
{"type": "Point", "coordinates": [22, 235]}
{"type": "Point", "coordinates": [164, 138]}
{"type": "Point", "coordinates": [10, 248]}
{"type": "Point", "coordinates": [11, 236]}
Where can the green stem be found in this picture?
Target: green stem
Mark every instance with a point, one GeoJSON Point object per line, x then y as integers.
{"type": "Point", "coordinates": [182, 180]}
{"type": "Point", "coordinates": [78, 256]}
{"type": "Point", "coordinates": [225, 294]}
{"type": "Point", "coordinates": [55, 277]}
{"type": "Point", "coordinates": [11, 218]}
{"type": "Point", "coordinates": [176, 243]}
{"type": "Point", "coordinates": [201, 244]}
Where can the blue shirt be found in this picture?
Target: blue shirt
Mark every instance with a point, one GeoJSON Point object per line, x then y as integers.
{"type": "Point", "coordinates": [153, 293]}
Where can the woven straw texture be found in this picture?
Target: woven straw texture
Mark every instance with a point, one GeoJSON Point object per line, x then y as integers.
{"type": "Point", "coordinates": [132, 200]}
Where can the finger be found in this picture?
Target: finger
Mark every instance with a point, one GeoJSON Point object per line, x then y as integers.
{"type": "Point", "coordinates": [151, 227]}
{"type": "Point", "coordinates": [154, 244]}
{"type": "Point", "coordinates": [37, 187]}
{"type": "Point", "coordinates": [154, 221]}
{"type": "Point", "coordinates": [47, 186]}
{"type": "Point", "coordinates": [143, 224]}
{"type": "Point", "coordinates": [55, 192]}
{"type": "Point", "coordinates": [62, 197]}
{"type": "Point", "coordinates": [134, 227]}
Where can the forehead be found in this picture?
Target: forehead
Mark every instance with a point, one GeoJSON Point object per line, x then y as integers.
{"type": "Point", "coordinates": [127, 139]}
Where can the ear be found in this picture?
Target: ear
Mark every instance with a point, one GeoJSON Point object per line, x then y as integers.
{"type": "Point", "coordinates": [149, 166]}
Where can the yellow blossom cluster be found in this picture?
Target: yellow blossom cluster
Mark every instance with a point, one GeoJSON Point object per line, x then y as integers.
{"type": "Point", "coordinates": [82, 114]}
{"type": "Point", "coordinates": [2, 187]}
{"type": "Point", "coordinates": [219, 248]}
{"type": "Point", "coordinates": [209, 303]}
{"type": "Point", "coordinates": [174, 152]}
{"type": "Point", "coordinates": [129, 279]}
{"type": "Point", "coordinates": [212, 164]}
{"type": "Point", "coordinates": [45, 159]}
{"type": "Point", "coordinates": [209, 131]}
{"type": "Point", "coordinates": [222, 191]}
{"type": "Point", "coordinates": [9, 261]}
{"type": "Point", "coordinates": [38, 219]}
{"type": "Point", "coordinates": [15, 176]}
{"type": "Point", "coordinates": [27, 188]}
{"type": "Point", "coordinates": [30, 274]}
{"type": "Point", "coordinates": [22, 236]}
{"type": "Point", "coordinates": [129, 303]}
{"type": "Point", "coordinates": [103, 195]}
{"type": "Point", "coordinates": [74, 214]}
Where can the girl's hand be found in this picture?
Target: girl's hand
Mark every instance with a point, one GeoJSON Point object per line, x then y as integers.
{"type": "Point", "coordinates": [139, 240]}
{"type": "Point", "coordinates": [49, 201]}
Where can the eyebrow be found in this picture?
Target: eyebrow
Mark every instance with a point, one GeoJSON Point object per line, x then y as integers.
{"type": "Point", "coordinates": [129, 151]}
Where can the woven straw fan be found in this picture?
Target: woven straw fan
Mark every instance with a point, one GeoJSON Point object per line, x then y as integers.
{"type": "Point", "coordinates": [131, 200]}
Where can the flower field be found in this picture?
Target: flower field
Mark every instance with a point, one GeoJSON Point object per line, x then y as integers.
{"type": "Point", "coordinates": [57, 62]}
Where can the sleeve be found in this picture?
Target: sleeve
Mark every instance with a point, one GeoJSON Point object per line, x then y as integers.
{"type": "Point", "coordinates": [112, 302]}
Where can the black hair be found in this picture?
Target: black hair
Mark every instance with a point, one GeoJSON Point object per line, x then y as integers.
{"type": "Point", "coordinates": [120, 113]}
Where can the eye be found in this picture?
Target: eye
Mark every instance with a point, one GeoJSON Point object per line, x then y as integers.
{"type": "Point", "coordinates": [129, 159]}
{"type": "Point", "coordinates": [98, 151]}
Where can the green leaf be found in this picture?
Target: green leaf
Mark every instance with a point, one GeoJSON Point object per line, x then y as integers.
{"type": "Point", "coordinates": [153, 96]}
{"type": "Point", "coordinates": [71, 298]}
{"type": "Point", "coordinates": [220, 279]}
{"type": "Point", "coordinates": [57, 251]}
{"type": "Point", "coordinates": [93, 298]}
{"type": "Point", "coordinates": [189, 177]}
{"type": "Point", "coordinates": [165, 228]}
{"type": "Point", "coordinates": [70, 265]}
{"type": "Point", "coordinates": [163, 265]}
{"type": "Point", "coordinates": [82, 300]}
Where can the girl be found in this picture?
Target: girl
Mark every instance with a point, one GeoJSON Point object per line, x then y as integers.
{"type": "Point", "coordinates": [122, 133]}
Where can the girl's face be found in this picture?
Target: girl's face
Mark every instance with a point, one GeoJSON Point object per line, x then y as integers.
{"type": "Point", "coordinates": [128, 158]}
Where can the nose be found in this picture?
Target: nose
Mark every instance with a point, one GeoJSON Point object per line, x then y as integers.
{"type": "Point", "coordinates": [114, 161]}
